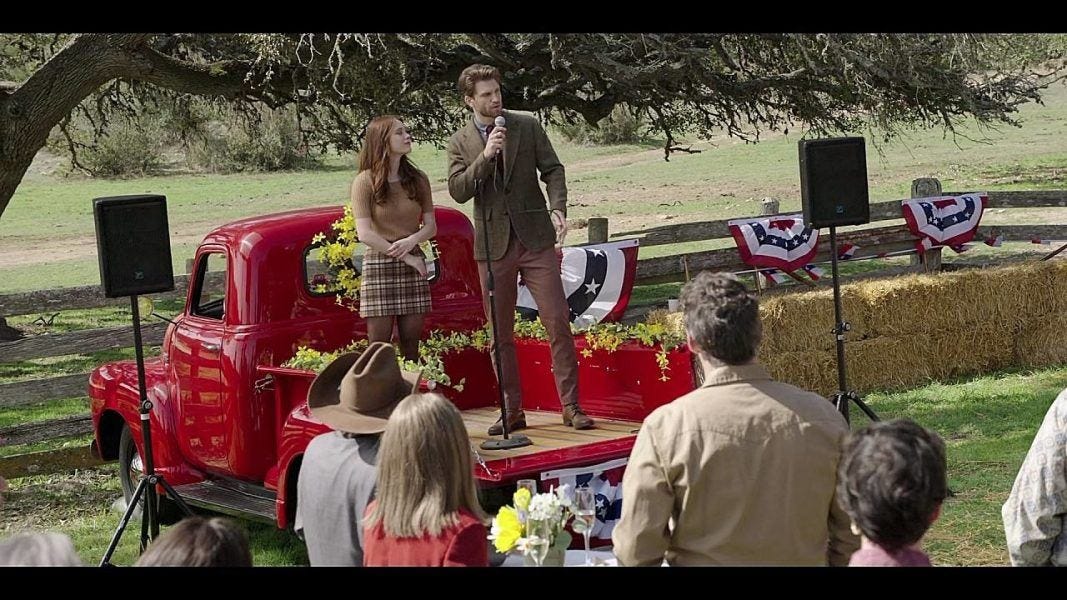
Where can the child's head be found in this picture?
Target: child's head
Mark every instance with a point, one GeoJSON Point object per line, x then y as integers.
{"type": "Point", "coordinates": [199, 542]}
{"type": "Point", "coordinates": [891, 481]}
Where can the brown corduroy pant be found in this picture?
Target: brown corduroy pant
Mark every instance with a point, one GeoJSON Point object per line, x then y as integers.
{"type": "Point", "coordinates": [540, 271]}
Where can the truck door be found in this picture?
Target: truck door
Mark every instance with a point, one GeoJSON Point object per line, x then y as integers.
{"type": "Point", "coordinates": [198, 363]}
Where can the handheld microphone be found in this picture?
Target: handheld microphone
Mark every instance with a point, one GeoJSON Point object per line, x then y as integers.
{"type": "Point", "coordinates": [498, 122]}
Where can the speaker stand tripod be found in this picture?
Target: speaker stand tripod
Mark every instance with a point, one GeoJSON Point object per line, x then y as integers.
{"type": "Point", "coordinates": [147, 485]}
{"type": "Point", "coordinates": [843, 395]}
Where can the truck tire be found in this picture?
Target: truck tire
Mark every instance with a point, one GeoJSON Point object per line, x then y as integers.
{"type": "Point", "coordinates": [130, 469]}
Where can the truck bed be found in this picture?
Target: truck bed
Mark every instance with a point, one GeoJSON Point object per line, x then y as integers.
{"type": "Point", "coordinates": [545, 429]}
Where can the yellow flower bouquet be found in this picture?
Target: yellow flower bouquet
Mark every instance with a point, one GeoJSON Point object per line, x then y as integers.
{"type": "Point", "coordinates": [535, 523]}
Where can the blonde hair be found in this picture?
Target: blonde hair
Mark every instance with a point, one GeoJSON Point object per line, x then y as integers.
{"type": "Point", "coordinates": [424, 470]}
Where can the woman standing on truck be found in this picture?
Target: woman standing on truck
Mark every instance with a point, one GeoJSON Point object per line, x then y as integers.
{"type": "Point", "coordinates": [427, 512]}
{"type": "Point", "coordinates": [390, 197]}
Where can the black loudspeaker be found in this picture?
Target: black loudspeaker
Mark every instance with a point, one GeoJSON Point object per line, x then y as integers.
{"type": "Point", "coordinates": [133, 243]}
{"type": "Point", "coordinates": [833, 182]}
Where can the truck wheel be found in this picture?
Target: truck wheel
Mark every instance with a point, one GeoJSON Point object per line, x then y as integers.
{"type": "Point", "coordinates": [130, 470]}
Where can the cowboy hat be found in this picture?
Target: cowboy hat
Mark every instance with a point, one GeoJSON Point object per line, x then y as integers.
{"type": "Point", "coordinates": [358, 391]}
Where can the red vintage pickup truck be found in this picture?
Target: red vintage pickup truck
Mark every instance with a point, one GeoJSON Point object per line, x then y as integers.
{"type": "Point", "coordinates": [229, 425]}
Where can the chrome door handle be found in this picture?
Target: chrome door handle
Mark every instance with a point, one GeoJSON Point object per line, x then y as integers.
{"type": "Point", "coordinates": [211, 347]}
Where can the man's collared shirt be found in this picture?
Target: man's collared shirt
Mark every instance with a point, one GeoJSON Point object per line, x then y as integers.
{"type": "Point", "coordinates": [741, 471]}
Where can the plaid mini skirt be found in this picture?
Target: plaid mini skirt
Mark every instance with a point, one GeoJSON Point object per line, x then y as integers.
{"type": "Point", "coordinates": [390, 287]}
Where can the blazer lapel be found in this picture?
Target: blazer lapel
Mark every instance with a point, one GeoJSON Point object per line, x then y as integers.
{"type": "Point", "coordinates": [511, 148]}
{"type": "Point", "coordinates": [472, 141]}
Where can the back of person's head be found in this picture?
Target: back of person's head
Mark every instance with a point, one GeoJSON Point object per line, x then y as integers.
{"type": "Point", "coordinates": [722, 317]}
{"type": "Point", "coordinates": [473, 74]}
{"type": "Point", "coordinates": [424, 469]}
{"type": "Point", "coordinates": [892, 480]}
{"type": "Point", "coordinates": [199, 542]}
{"type": "Point", "coordinates": [38, 549]}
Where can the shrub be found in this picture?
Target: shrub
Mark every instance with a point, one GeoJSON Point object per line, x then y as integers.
{"type": "Point", "coordinates": [620, 127]}
{"type": "Point", "coordinates": [125, 151]}
{"type": "Point", "coordinates": [273, 144]}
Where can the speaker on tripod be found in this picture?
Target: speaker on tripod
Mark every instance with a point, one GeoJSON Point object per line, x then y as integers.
{"type": "Point", "coordinates": [833, 191]}
{"type": "Point", "coordinates": [133, 244]}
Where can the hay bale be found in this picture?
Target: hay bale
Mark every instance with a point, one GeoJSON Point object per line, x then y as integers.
{"type": "Point", "coordinates": [673, 321]}
{"type": "Point", "coordinates": [814, 371]}
{"type": "Point", "coordinates": [912, 305]}
{"type": "Point", "coordinates": [1042, 342]}
{"type": "Point", "coordinates": [933, 304]}
{"type": "Point", "coordinates": [888, 363]}
{"type": "Point", "coordinates": [972, 349]}
{"type": "Point", "coordinates": [911, 329]}
{"type": "Point", "coordinates": [1055, 271]}
{"type": "Point", "coordinates": [804, 322]}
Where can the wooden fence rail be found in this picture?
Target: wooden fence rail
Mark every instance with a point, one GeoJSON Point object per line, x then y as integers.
{"type": "Point", "coordinates": [84, 296]}
{"type": "Point", "coordinates": [45, 463]}
{"type": "Point", "coordinates": [88, 296]}
{"type": "Point", "coordinates": [21, 393]}
{"type": "Point", "coordinates": [880, 211]}
{"type": "Point", "coordinates": [29, 433]}
{"type": "Point", "coordinates": [78, 342]}
{"type": "Point", "coordinates": [872, 242]}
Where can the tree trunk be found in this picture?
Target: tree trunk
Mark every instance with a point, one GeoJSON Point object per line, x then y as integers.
{"type": "Point", "coordinates": [30, 112]}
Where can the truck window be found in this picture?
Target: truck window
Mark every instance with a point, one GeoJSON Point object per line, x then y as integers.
{"type": "Point", "coordinates": [210, 300]}
{"type": "Point", "coordinates": [320, 279]}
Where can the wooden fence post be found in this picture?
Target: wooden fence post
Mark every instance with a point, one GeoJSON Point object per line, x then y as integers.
{"type": "Point", "coordinates": [929, 261]}
{"type": "Point", "coordinates": [598, 230]}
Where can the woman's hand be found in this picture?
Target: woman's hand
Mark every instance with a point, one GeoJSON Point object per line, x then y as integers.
{"type": "Point", "coordinates": [415, 262]}
{"type": "Point", "coordinates": [401, 247]}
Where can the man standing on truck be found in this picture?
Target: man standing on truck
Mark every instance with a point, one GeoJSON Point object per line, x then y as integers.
{"type": "Point", "coordinates": [355, 395]}
{"type": "Point", "coordinates": [741, 471]}
{"type": "Point", "coordinates": [523, 234]}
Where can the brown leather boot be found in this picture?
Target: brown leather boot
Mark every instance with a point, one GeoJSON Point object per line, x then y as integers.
{"type": "Point", "coordinates": [516, 420]}
{"type": "Point", "coordinates": [574, 417]}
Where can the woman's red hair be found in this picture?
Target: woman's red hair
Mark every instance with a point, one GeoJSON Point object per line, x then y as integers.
{"type": "Point", "coordinates": [374, 157]}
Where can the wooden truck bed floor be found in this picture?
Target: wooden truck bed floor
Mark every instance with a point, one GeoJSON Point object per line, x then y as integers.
{"type": "Point", "coordinates": [545, 429]}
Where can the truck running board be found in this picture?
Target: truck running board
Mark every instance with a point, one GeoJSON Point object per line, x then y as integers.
{"type": "Point", "coordinates": [231, 497]}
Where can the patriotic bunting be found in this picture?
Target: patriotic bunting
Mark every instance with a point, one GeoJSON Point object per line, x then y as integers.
{"type": "Point", "coordinates": [945, 221]}
{"type": "Point", "coordinates": [780, 242]}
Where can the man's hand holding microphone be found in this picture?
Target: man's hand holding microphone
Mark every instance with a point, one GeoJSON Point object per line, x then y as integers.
{"type": "Point", "coordinates": [494, 144]}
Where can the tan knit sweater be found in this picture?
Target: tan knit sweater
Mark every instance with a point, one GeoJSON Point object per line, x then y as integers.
{"type": "Point", "coordinates": [399, 216]}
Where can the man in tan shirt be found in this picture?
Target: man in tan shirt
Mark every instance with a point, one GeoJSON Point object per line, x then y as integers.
{"type": "Point", "coordinates": [741, 471]}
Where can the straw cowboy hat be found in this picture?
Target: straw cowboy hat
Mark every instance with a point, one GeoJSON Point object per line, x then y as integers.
{"type": "Point", "coordinates": [358, 391]}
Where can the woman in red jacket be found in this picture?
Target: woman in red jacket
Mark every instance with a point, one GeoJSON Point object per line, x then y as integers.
{"type": "Point", "coordinates": [426, 513]}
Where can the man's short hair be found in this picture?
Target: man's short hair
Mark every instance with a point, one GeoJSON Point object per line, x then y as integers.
{"type": "Point", "coordinates": [891, 480]}
{"type": "Point", "coordinates": [475, 73]}
{"type": "Point", "coordinates": [722, 317]}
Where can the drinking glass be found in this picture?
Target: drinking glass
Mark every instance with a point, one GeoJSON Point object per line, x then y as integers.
{"type": "Point", "coordinates": [538, 540]}
{"type": "Point", "coordinates": [584, 516]}
{"type": "Point", "coordinates": [529, 484]}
